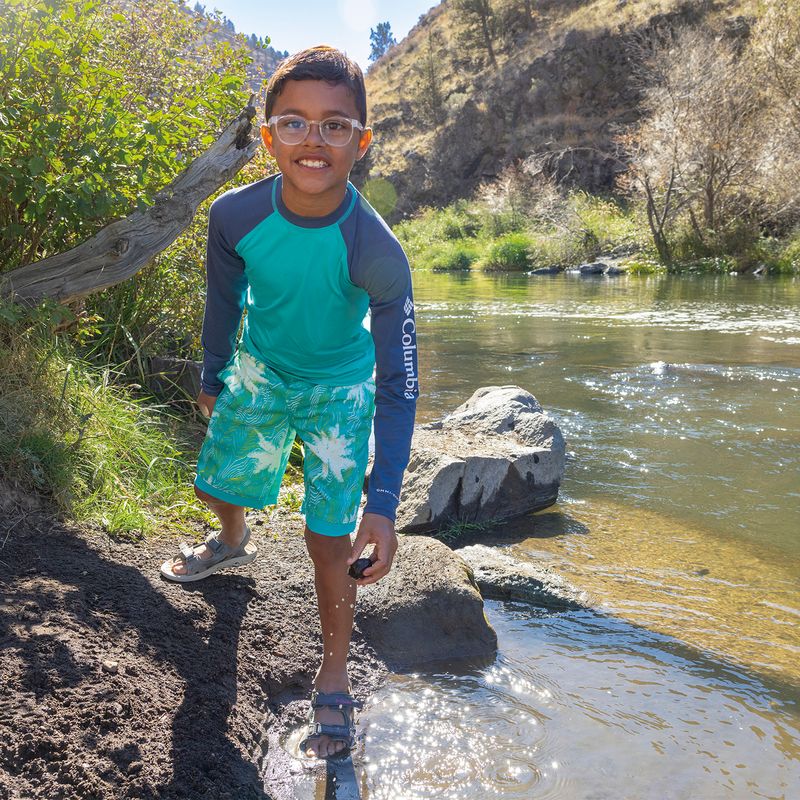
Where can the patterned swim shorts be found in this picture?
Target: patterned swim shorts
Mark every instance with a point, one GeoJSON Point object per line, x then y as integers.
{"type": "Point", "coordinates": [250, 436]}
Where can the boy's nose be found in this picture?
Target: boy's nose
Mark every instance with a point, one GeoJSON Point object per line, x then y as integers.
{"type": "Point", "coordinates": [314, 136]}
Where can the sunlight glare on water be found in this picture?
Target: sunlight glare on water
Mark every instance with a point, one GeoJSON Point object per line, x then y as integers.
{"type": "Point", "coordinates": [580, 705]}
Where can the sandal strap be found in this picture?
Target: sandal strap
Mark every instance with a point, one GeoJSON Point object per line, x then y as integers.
{"type": "Point", "coordinates": [187, 551]}
{"type": "Point", "coordinates": [342, 732]}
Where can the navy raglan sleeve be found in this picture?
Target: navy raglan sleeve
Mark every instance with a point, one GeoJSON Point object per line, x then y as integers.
{"type": "Point", "coordinates": [226, 287]}
{"type": "Point", "coordinates": [387, 280]}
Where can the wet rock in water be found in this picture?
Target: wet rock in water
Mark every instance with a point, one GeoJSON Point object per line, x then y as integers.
{"type": "Point", "coordinates": [427, 609]}
{"type": "Point", "coordinates": [500, 576]}
{"type": "Point", "coordinates": [497, 456]}
{"type": "Point", "coordinates": [595, 268]}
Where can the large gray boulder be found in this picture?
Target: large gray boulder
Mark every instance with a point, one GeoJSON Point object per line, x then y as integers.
{"type": "Point", "coordinates": [495, 457]}
{"type": "Point", "coordinates": [427, 609]}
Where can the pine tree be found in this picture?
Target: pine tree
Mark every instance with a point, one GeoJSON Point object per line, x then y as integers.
{"type": "Point", "coordinates": [381, 39]}
{"type": "Point", "coordinates": [479, 24]}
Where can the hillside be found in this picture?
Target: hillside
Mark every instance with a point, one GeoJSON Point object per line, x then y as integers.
{"type": "Point", "coordinates": [446, 118]}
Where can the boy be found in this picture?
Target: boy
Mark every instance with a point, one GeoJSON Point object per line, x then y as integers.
{"type": "Point", "coordinates": [306, 255]}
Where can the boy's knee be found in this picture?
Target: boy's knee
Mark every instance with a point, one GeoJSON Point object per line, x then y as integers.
{"type": "Point", "coordinates": [201, 495]}
{"type": "Point", "coordinates": [210, 500]}
{"type": "Point", "coordinates": [324, 549]}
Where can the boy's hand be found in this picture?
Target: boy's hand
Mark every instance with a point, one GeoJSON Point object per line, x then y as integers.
{"type": "Point", "coordinates": [206, 403]}
{"type": "Point", "coordinates": [379, 531]}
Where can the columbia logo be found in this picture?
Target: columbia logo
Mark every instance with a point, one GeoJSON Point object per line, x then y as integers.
{"type": "Point", "coordinates": [409, 306]}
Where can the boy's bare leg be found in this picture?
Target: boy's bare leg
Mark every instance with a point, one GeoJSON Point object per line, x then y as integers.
{"type": "Point", "coordinates": [336, 599]}
{"type": "Point", "coordinates": [232, 519]}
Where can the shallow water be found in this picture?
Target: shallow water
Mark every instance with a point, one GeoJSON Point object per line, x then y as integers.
{"type": "Point", "coordinates": [679, 515]}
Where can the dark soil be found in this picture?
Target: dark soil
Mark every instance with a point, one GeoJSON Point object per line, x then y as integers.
{"type": "Point", "coordinates": [116, 683]}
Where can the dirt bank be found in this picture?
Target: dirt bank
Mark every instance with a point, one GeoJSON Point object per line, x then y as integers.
{"type": "Point", "coordinates": [119, 684]}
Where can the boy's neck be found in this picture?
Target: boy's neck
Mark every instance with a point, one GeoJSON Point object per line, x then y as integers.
{"type": "Point", "coordinates": [306, 205]}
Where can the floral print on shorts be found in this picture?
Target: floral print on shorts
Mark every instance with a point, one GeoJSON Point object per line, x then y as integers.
{"type": "Point", "coordinates": [250, 436]}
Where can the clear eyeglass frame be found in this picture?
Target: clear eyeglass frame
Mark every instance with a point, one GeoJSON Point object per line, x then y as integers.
{"type": "Point", "coordinates": [320, 123]}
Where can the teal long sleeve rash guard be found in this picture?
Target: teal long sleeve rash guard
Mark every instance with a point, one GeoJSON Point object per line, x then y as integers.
{"type": "Point", "coordinates": [306, 284]}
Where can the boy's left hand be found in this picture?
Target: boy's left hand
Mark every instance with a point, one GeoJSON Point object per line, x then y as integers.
{"type": "Point", "coordinates": [379, 531]}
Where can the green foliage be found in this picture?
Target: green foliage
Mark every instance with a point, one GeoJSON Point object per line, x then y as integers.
{"type": "Point", "coordinates": [69, 434]}
{"type": "Point", "coordinates": [99, 111]}
{"type": "Point", "coordinates": [786, 258]}
{"type": "Point", "coordinates": [431, 226]}
{"type": "Point", "coordinates": [602, 224]}
{"type": "Point", "coordinates": [381, 39]}
{"type": "Point", "coordinates": [511, 253]}
{"type": "Point", "coordinates": [643, 265]}
{"type": "Point", "coordinates": [452, 255]}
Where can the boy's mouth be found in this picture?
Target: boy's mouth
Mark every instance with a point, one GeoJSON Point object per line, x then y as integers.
{"type": "Point", "coordinates": [313, 163]}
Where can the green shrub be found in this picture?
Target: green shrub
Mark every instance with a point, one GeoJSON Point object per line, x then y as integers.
{"type": "Point", "coordinates": [643, 265]}
{"type": "Point", "coordinates": [511, 253]}
{"type": "Point", "coordinates": [787, 258]}
{"type": "Point", "coordinates": [95, 119]}
{"type": "Point", "coordinates": [448, 256]}
{"type": "Point", "coordinates": [600, 224]}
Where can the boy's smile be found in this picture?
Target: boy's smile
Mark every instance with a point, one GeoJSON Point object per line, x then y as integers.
{"type": "Point", "coordinates": [315, 173]}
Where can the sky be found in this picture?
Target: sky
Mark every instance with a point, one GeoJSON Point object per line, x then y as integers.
{"type": "Point", "coordinates": [342, 23]}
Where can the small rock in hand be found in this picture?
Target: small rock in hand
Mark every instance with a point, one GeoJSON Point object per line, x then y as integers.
{"type": "Point", "coordinates": [358, 566]}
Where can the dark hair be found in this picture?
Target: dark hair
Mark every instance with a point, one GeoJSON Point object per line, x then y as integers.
{"type": "Point", "coordinates": [320, 63]}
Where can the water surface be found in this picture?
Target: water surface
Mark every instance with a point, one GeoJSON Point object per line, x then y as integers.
{"type": "Point", "coordinates": [679, 515]}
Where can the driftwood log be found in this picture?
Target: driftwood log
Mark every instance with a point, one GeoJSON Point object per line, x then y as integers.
{"type": "Point", "coordinates": [124, 246]}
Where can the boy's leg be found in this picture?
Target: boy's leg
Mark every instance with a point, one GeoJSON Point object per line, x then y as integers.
{"type": "Point", "coordinates": [336, 599]}
{"type": "Point", "coordinates": [232, 519]}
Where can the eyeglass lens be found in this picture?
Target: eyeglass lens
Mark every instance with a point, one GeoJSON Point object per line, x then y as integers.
{"type": "Point", "coordinates": [335, 131]}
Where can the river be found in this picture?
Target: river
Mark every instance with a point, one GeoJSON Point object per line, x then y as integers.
{"type": "Point", "coordinates": [679, 515]}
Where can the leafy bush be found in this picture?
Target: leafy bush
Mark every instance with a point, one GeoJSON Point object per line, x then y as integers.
{"type": "Point", "coordinates": [456, 255]}
{"type": "Point", "coordinates": [99, 111]}
{"type": "Point", "coordinates": [510, 253]}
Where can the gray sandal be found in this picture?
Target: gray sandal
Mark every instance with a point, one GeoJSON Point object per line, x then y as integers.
{"type": "Point", "coordinates": [222, 556]}
{"type": "Point", "coordinates": [342, 702]}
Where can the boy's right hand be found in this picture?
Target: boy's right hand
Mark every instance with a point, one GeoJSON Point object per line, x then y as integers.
{"type": "Point", "coordinates": [206, 403]}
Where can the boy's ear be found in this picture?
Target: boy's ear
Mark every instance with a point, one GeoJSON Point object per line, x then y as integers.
{"type": "Point", "coordinates": [266, 137]}
{"type": "Point", "coordinates": [363, 143]}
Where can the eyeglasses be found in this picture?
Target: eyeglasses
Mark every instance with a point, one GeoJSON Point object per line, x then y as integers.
{"type": "Point", "coordinates": [335, 131]}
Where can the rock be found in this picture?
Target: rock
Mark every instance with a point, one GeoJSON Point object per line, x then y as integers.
{"type": "Point", "coordinates": [110, 666]}
{"type": "Point", "coordinates": [495, 457]}
{"type": "Point", "coordinates": [427, 609]}
{"type": "Point", "coordinates": [595, 268]}
{"type": "Point", "coordinates": [167, 374]}
{"type": "Point", "coordinates": [500, 576]}
{"type": "Point", "coordinates": [546, 271]}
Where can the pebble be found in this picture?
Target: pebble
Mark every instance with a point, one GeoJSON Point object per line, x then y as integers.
{"type": "Point", "coordinates": [109, 665]}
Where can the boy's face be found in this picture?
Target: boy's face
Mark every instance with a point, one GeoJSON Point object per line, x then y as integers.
{"type": "Point", "coordinates": [314, 172]}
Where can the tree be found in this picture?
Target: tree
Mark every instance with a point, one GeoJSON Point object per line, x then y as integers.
{"type": "Point", "coordinates": [381, 39]}
{"type": "Point", "coordinates": [479, 26]}
{"type": "Point", "coordinates": [700, 146]}
{"type": "Point", "coordinates": [429, 99]}
{"type": "Point", "coordinates": [775, 46]}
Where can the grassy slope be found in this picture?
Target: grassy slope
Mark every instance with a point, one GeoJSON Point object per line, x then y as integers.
{"type": "Point", "coordinates": [559, 116]}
